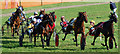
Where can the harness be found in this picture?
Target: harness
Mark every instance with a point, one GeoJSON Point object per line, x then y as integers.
{"type": "Point", "coordinates": [93, 29]}
{"type": "Point", "coordinates": [100, 26]}
{"type": "Point", "coordinates": [51, 27]}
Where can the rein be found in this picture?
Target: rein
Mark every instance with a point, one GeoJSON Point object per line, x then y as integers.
{"type": "Point", "coordinates": [100, 26]}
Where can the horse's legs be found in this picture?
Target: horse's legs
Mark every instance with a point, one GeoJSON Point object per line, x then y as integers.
{"type": "Point", "coordinates": [83, 41]}
{"type": "Point", "coordinates": [115, 42]}
{"type": "Point", "coordinates": [65, 36]}
{"type": "Point", "coordinates": [106, 42]}
{"type": "Point", "coordinates": [50, 35]}
{"type": "Point", "coordinates": [112, 35]}
{"type": "Point", "coordinates": [2, 30]}
{"type": "Point", "coordinates": [8, 28]}
{"type": "Point", "coordinates": [96, 35]}
{"type": "Point", "coordinates": [34, 39]}
{"type": "Point", "coordinates": [82, 37]}
{"type": "Point", "coordinates": [47, 40]}
{"type": "Point", "coordinates": [18, 29]}
{"type": "Point", "coordinates": [42, 40]}
{"type": "Point", "coordinates": [37, 37]}
{"type": "Point", "coordinates": [76, 39]}
{"type": "Point", "coordinates": [30, 37]}
{"type": "Point", "coordinates": [12, 30]}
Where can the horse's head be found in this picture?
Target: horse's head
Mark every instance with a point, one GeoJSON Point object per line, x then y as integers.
{"type": "Point", "coordinates": [46, 16]}
{"type": "Point", "coordinates": [83, 16]}
{"type": "Point", "coordinates": [52, 13]}
{"type": "Point", "coordinates": [51, 16]}
{"type": "Point", "coordinates": [114, 17]}
{"type": "Point", "coordinates": [42, 11]}
{"type": "Point", "coordinates": [19, 9]}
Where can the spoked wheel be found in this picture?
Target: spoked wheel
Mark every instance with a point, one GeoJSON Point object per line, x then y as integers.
{"type": "Point", "coordinates": [21, 37]}
{"type": "Point", "coordinates": [110, 43]}
{"type": "Point", "coordinates": [56, 40]}
{"type": "Point", "coordinates": [82, 43]}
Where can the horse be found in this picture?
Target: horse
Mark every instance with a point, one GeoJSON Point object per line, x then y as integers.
{"type": "Point", "coordinates": [43, 29]}
{"type": "Point", "coordinates": [51, 25]}
{"type": "Point", "coordinates": [12, 19]}
{"type": "Point", "coordinates": [78, 27]}
{"type": "Point", "coordinates": [38, 29]}
{"type": "Point", "coordinates": [15, 22]}
{"type": "Point", "coordinates": [106, 28]}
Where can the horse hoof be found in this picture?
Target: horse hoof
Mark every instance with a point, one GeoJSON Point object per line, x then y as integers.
{"type": "Point", "coordinates": [107, 48]}
{"type": "Point", "coordinates": [45, 40]}
{"type": "Point", "coordinates": [76, 45]}
{"type": "Point", "coordinates": [13, 35]}
{"type": "Point", "coordinates": [42, 47]}
{"type": "Point", "coordinates": [63, 39]}
{"type": "Point", "coordinates": [116, 46]}
{"type": "Point", "coordinates": [92, 44]}
{"type": "Point", "coordinates": [17, 33]}
{"type": "Point", "coordinates": [74, 40]}
{"type": "Point", "coordinates": [34, 45]}
{"type": "Point", "coordinates": [102, 44]}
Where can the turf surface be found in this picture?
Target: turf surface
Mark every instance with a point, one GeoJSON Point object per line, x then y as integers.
{"type": "Point", "coordinates": [10, 44]}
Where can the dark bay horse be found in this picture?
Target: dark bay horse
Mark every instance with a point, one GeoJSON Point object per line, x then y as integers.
{"type": "Point", "coordinates": [43, 29]}
{"type": "Point", "coordinates": [51, 24]}
{"type": "Point", "coordinates": [78, 27]}
{"type": "Point", "coordinates": [15, 21]}
{"type": "Point", "coordinates": [106, 28]}
{"type": "Point", "coordinates": [39, 29]}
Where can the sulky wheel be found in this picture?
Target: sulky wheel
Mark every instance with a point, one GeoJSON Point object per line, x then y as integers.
{"type": "Point", "coordinates": [110, 43]}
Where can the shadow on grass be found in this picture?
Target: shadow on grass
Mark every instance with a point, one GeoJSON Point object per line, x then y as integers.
{"type": "Point", "coordinates": [31, 46]}
{"type": "Point", "coordinates": [7, 42]}
{"type": "Point", "coordinates": [96, 48]}
{"type": "Point", "coordinates": [10, 44]}
{"type": "Point", "coordinates": [50, 48]}
{"type": "Point", "coordinates": [69, 49]}
{"type": "Point", "coordinates": [15, 44]}
{"type": "Point", "coordinates": [6, 46]}
{"type": "Point", "coordinates": [9, 37]}
{"type": "Point", "coordinates": [59, 49]}
{"type": "Point", "coordinates": [74, 44]}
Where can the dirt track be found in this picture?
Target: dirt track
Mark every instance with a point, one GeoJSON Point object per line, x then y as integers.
{"type": "Point", "coordinates": [48, 9]}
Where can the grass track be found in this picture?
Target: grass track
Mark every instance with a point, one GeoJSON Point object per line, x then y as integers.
{"type": "Point", "coordinates": [10, 44]}
{"type": "Point", "coordinates": [4, 11]}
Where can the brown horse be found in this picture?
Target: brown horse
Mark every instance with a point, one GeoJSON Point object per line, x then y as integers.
{"type": "Point", "coordinates": [51, 25]}
{"type": "Point", "coordinates": [78, 27]}
{"type": "Point", "coordinates": [12, 19]}
{"type": "Point", "coordinates": [15, 21]}
{"type": "Point", "coordinates": [43, 29]}
{"type": "Point", "coordinates": [106, 28]}
{"type": "Point", "coordinates": [39, 29]}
